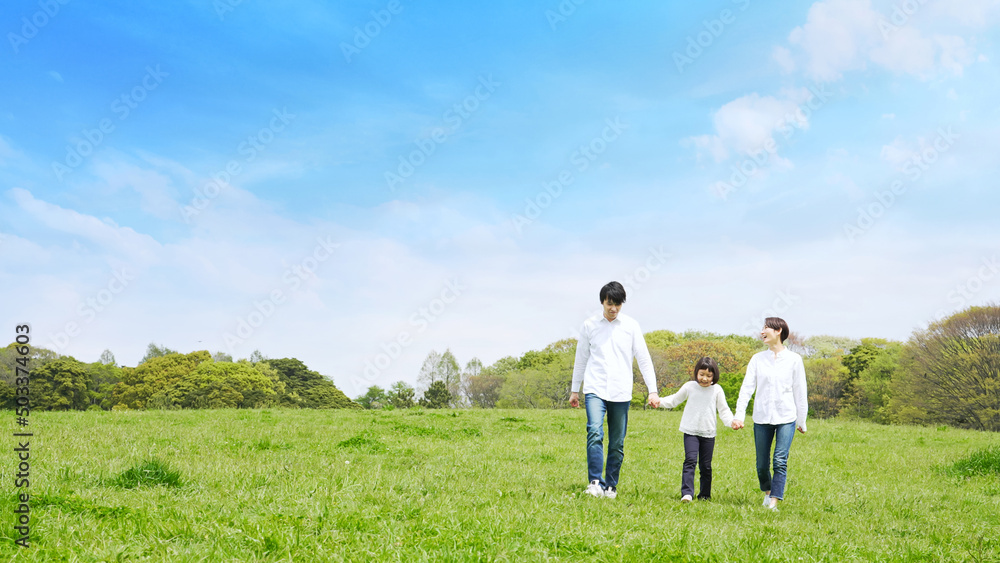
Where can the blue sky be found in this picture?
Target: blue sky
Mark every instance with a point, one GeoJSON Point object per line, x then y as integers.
{"type": "Point", "coordinates": [358, 184]}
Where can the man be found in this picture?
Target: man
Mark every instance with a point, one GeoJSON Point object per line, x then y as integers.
{"type": "Point", "coordinates": [603, 367]}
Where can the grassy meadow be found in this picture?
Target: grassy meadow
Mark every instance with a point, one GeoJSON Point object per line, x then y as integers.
{"type": "Point", "coordinates": [481, 485]}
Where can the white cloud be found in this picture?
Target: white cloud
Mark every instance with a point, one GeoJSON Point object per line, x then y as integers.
{"type": "Point", "coordinates": [784, 58]}
{"type": "Point", "coordinates": [976, 14]}
{"type": "Point", "coordinates": [845, 35]}
{"type": "Point", "coordinates": [122, 241]}
{"type": "Point", "coordinates": [747, 125]}
{"type": "Point", "coordinates": [905, 51]}
{"type": "Point", "coordinates": [156, 190]}
{"type": "Point", "coordinates": [955, 54]}
{"type": "Point", "coordinates": [7, 152]}
{"type": "Point", "coordinates": [835, 37]}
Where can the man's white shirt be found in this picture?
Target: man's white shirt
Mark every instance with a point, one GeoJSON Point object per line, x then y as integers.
{"type": "Point", "coordinates": [604, 356]}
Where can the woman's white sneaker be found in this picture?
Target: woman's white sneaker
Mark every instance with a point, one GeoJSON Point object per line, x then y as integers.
{"type": "Point", "coordinates": [594, 489]}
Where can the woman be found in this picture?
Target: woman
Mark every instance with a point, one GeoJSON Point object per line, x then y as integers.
{"type": "Point", "coordinates": [777, 378]}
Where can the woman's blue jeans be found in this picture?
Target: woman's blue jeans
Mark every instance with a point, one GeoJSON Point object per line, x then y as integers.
{"type": "Point", "coordinates": [617, 422]}
{"type": "Point", "coordinates": [781, 435]}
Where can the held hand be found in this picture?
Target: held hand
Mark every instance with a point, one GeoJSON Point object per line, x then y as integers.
{"type": "Point", "coordinates": [737, 424]}
{"type": "Point", "coordinates": [799, 428]}
{"type": "Point", "coordinates": [654, 400]}
{"type": "Point", "coordinates": [574, 400]}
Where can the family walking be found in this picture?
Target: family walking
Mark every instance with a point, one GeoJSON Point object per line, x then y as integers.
{"type": "Point", "coordinates": [603, 368]}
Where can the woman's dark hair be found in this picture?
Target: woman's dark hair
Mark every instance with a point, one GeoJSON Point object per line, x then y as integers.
{"type": "Point", "coordinates": [613, 291]}
{"type": "Point", "coordinates": [710, 365]}
{"type": "Point", "coordinates": [775, 323]}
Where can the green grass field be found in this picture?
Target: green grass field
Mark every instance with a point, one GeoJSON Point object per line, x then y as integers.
{"type": "Point", "coordinates": [476, 485]}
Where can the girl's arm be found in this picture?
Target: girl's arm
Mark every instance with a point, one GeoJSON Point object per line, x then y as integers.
{"type": "Point", "coordinates": [677, 398]}
{"type": "Point", "coordinates": [723, 407]}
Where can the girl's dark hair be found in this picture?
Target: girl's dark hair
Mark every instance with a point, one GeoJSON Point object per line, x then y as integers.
{"type": "Point", "coordinates": [613, 291]}
{"type": "Point", "coordinates": [710, 365]}
{"type": "Point", "coordinates": [775, 323]}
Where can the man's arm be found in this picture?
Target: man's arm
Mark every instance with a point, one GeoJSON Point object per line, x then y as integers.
{"type": "Point", "coordinates": [579, 365]}
{"type": "Point", "coordinates": [641, 353]}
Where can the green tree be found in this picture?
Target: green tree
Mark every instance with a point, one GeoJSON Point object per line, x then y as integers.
{"type": "Point", "coordinates": [217, 385]}
{"type": "Point", "coordinates": [825, 346]}
{"type": "Point", "coordinates": [9, 360]}
{"type": "Point", "coordinates": [451, 374]}
{"type": "Point", "coordinates": [155, 351]}
{"type": "Point", "coordinates": [674, 365]}
{"type": "Point", "coordinates": [221, 357]}
{"type": "Point", "coordinates": [950, 372]}
{"type": "Point", "coordinates": [731, 383]}
{"type": "Point", "coordinates": [872, 389]}
{"type": "Point", "coordinates": [306, 388]}
{"type": "Point", "coordinates": [826, 379]}
{"type": "Point", "coordinates": [437, 396]}
{"type": "Point", "coordinates": [502, 367]}
{"type": "Point", "coordinates": [102, 378]}
{"type": "Point", "coordinates": [472, 369]}
{"type": "Point", "coordinates": [661, 339]}
{"type": "Point", "coordinates": [401, 395]}
{"type": "Point", "coordinates": [484, 389]}
{"type": "Point", "coordinates": [154, 376]}
{"type": "Point", "coordinates": [107, 358]}
{"type": "Point", "coordinates": [375, 398]}
{"type": "Point", "coordinates": [546, 386]}
{"type": "Point", "coordinates": [60, 385]}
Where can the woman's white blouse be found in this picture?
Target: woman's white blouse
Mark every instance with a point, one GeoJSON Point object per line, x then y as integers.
{"type": "Point", "coordinates": [779, 383]}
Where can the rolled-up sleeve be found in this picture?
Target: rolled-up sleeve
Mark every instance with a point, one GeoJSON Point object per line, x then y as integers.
{"type": "Point", "coordinates": [800, 393]}
{"type": "Point", "coordinates": [746, 390]}
{"type": "Point", "coordinates": [641, 353]}
{"type": "Point", "coordinates": [582, 355]}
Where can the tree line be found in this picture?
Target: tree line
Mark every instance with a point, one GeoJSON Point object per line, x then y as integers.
{"type": "Point", "coordinates": [947, 373]}
{"type": "Point", "coordinates": [167, 379]}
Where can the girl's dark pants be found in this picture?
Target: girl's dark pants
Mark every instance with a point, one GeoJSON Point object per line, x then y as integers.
{"type": "Point", "coordinates": [697, 450]}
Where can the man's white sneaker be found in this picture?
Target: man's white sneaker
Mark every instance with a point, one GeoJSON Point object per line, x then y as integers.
{"type": "Point", "coordinates": [686, 499]}
{"type": "Point", "coordinates": [611, 492]}
{"type": "Point", "coordinates": [594, 489]}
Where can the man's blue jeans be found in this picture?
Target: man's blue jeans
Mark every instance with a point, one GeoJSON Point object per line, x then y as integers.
{"type": "Point", "coordinates": [781, 435]}
{"type": "Point", "coordinates": [617, 422]}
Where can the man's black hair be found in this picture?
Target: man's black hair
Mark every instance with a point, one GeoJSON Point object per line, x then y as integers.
{"type": "Point", "coordinates": [613, 291]}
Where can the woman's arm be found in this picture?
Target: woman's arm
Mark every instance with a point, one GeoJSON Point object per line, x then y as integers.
{"type": "Point", "coordinates": [746, 391]}
{"type": "Point", "coordinates": [800, 394]}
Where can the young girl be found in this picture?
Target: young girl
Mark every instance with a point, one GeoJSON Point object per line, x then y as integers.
{"type": "Point", "coordinates": [698, 424]}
